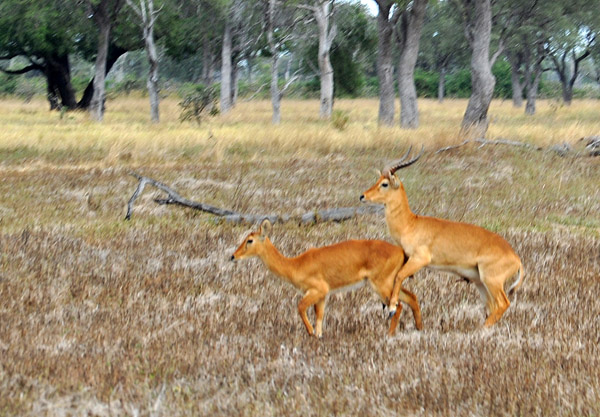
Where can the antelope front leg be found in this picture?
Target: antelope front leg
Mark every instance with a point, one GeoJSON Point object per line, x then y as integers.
{"type": "Point", "coordinates": [311, 297]}
{"type": "Point", "coordinates": [414, 263]}
{"type": "Point", "coordinates": [319, 313]}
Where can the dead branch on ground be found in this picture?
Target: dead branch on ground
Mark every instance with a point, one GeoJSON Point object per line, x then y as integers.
{"type": "Point", "coordinates": [317, 216]}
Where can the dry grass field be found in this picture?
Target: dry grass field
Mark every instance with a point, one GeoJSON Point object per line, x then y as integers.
{"type": "Point", "coordinates": [103, 317]}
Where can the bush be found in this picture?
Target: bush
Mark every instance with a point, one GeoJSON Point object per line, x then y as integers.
{"type": "Point", "coordinates": [127, 85]}
{"type": "Point", "coordinates": [503, 87]}
{"type": "Point", "coordinates": [426, 83]}
{"type": "Point", "coordinates": [8, 84]}
{"type": "Point", "coordinates": [458, 84]}
{"type": "Point", "coordinates": [200, 102]}
{"type": "Point", "coordinates": [340, 119]}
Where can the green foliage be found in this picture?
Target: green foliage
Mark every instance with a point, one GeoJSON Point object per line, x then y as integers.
{"type": "Point", "coordinates": [503, 87]}
{"type": "Point", "coordinates": [351, 54]}
{"type": "Point", "coordinates": [8, 84]}
{"type": "Point", "coordinates": [127, 85]}
{"type": "Point", "coordinates": [348, 77]}
{"type": "Point", "coordinates": [426, 83]}
{"type": "Point", "coordinates": [28, 87]}
{"type": "Point", "coordinates": [340, 119]}
{"type": "Point", "coordinates": [458, 84]}
{"type": "Point", "coordinates": [199, 103]}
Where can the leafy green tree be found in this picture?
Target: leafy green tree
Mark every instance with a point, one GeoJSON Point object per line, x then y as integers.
{"type": "Point", "coordinates": [37, 31]}
{"type": "Point", "coordinates": [443, 47]}
{"type": "Point", "coordinates": [351, 53]}
{"type": "Point", "coordinates": [573, 41]}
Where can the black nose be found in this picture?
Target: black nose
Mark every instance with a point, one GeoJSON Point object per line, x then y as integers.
{"type": "Point", "coordinates": [232, 258]}
{"type": "Point", "coordinates": [362, 197]}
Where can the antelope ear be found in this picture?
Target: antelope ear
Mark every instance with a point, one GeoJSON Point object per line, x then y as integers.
{"type": "Point", "coordinates": [265, 228]}
{"type": "Point", "coordinates": [394, 181]}
{"type": "Point", "coordinates": [378, 172]}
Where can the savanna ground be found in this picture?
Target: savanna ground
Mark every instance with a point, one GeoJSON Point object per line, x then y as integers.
{"type": "Point", "coordinates": [99, 316]}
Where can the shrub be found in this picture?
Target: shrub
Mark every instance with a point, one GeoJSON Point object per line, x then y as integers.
{"type": "Point", "coordinates": [198, 103]}
{"type": "Point", "coordinates": [8, 84]}
{"type": "Point", "coordinates": [458, 84]}
{"type": "Point", "coordinates": [426, 83]}
{"type": "Point", "coordinates": [340, 119]}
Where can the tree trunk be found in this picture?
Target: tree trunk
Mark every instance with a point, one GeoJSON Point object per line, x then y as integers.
{"type": "Point", "coordinates": [517, 86]}
{"type": "Point", "coordinates": [531, 97]}
{"type": "Point", "coordinates": [206, 58]}
{"type": "Point", "coordinates": [411, 25]}
{"type": "Point", "coordinates": [226, 70]}
{"type": "Point", "coordinates": [478, 30]}
{"type": "Point", "coordinates": [322, 13]}
{"type": "Point", "coordinates": [533, 80]}
{"type": "Point", "coordinates": [101, 15]}
{"type": "Point", "coordinates": [275, 93]}
{"type": "Point", "coordinates": [567, 77]}
{"type": "Point", "coordinates": [275, 56]}
{"type": "Point", "coordinates": [326, 78]}
{"type": "Point", "coordinates": [114, 53]}
{"type": "Point", "coordinates": [567, 93]}
{"type": "Point", "coordinates": [385, 67]}
{"type": "Point", "coordinates": [148, 17]}
{"type": "Point", "coordinates": [235, 79]}
{"type": "Point", "coordinates": [58, 78]}
{"type": "Point", "coordinates": [152, 83]}
{"type": "Point", "coordinates": [442, 85]}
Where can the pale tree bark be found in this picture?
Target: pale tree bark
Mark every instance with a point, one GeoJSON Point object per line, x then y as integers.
{"type": "Point", "coordinates": [274, 18]}
{"type": "Point", "coordinates": [148, 16]}
{"type": "Point", "coordinates": [409, 35]}
{"type": "Point", "coordinates": [274, 47]}
{"type": "Point", "coordinates": [533, 75]}
{"type": "Point", "coordinates": [322, 12]}
{"type": "Point", "coordinates": [515, 78]}
{"type": "Point", "coordinates": [275, 93]}
{"type": "Point", "coordinates": [567, 75]}
{"type": "Point", "coordinates": [226, 69]}
{"type": "Point", "coordinates": [103, 14]}
{"type": "Point", "coordinates": [478, 29]}
{"type": "Point", "coordinates": [442, 85]}
{"type": "Point", "coordinates": [386, 20]}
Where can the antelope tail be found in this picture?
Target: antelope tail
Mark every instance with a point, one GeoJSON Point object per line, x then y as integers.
{"type": "Point", "coordinates": [518, 282]}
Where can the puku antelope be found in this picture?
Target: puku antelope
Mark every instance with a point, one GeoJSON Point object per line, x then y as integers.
{"type": "Point", "coordinates": [318, 271]}
{"type": "Point", "coordinates": [473, 253]}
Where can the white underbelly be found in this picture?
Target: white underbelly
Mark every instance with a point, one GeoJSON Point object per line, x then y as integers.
{"type": "Point", "coordinates": [351, 287]}
{"type": "Point", "coordinates": [471, 274]}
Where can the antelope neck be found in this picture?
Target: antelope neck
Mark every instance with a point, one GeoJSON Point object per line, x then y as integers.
{"type": "Point", "coordinates": [399, 209]}
{"type": "Point", "coordinates": [275, 261]}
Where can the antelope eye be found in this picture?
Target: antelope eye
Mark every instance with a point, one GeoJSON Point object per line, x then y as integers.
{"type": "Point", "coordinates": [384, 184]}
{"type": "Point", "coordinates": [250, 241]}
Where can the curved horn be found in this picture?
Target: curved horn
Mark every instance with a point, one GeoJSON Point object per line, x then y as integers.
{"type": "Point", "coordinates": [387, 170]}
{"type": "Point", "coordinates": [401, 164]}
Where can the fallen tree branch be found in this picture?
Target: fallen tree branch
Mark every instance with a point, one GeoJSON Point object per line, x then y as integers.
{"type": "Point", "coordinates": [336, 214]}
{"type": "Point", "coordinates": [484, 142]}
{"type": "Point", "coordinates": [506, 142]}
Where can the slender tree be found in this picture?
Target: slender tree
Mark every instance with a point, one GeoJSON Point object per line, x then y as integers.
{"type": "Point", "coordinates": [327, 30]}
{"type": "Point", "coordinates": [386, 21]}
{"type": "Point", "coordinates": [442, 47]}
{"type": "Point", "coordinates": [104, 13]}
{"type": "Point", "coordinates": [147, 14]}
{"type": "Point", "coordinates": [280, 23]}
{"type": "Point", "coordinates": [408, 35]}
{"type": "Point", "coordinates": [477, 16]}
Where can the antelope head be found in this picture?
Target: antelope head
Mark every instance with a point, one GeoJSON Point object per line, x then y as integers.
{"type": "Point", "coordinates": [388, 183]}
{"type": "Point", "coordinates": [254, 242]}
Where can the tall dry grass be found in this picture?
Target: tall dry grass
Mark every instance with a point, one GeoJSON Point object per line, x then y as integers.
{"type": "Point", "coordinates": [99, 316]}
{"type": "Point", "coordinates": [127, 135]}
